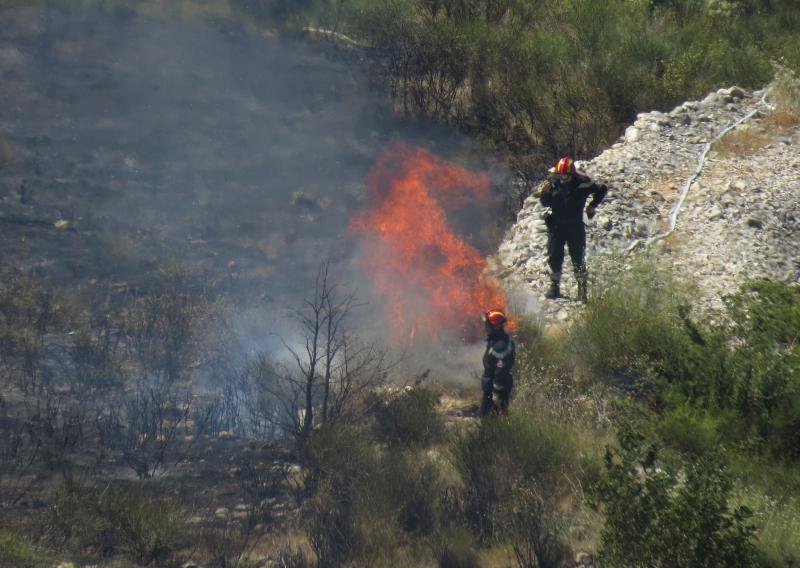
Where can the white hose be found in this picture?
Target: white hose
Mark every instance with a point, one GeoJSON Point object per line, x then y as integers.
{"type": "Point", "coordinates": [673, 218]}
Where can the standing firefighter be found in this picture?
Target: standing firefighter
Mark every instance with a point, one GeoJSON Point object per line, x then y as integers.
{"type": "Point", "coordinates": [565, 192]}
{"type": "Point", "coordinates": [498, 361]}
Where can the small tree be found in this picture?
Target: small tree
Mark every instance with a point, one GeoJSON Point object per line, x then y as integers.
{"type": "Point", "coordinates": [328, 373]}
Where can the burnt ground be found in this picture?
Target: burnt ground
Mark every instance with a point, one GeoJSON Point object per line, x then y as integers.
{"type": "Point", "coordinates": [132, 142]}
{"type": "Point", "coordinates": [128, 144]}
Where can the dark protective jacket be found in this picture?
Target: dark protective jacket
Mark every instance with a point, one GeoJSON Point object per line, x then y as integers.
{"type": "Point", "coordinates": [498, 359]}
{"type": "Point", "coordinates": [567, 199]}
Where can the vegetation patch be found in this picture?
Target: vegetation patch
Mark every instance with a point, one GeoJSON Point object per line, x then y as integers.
{"type": "Point", "coordinates": [410, 418]}
{"type": "Point", "coordinates": [658, 517]}
{"type": "Point", "coordinates": [119, 519]}
{"type": "Point", "coordinates": [741, 142]}
{"type": "Point", "coordinates": [8, 152]}
{"type": "Point", "coordinates": [16, 551]}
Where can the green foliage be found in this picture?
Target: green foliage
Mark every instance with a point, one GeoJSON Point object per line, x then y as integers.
{"type": "Point", "coordinates": [631, 324]}
{"type": "Point", "coordinates": [504, 453]}
{"type": "Point", "coordinates": [724, 382]}
{"type": "Point", "coordinates": [655, 517]}
{"type": "Point", "coordinates": [16, 551]}
{"type": "Point", "coordinates": [778, 521]}
{"type": "Point", "coordinates": [693, 432]}
{"type": "Point", "coordinates": [562, 76]}
{"type": "Point", "coordinates": [410, 419]}
{"type": "Point", "coordinates": [341, 463]}
{"type": "Point", "coordinates": [457, 550]}
{"type": "Point", "coordinates": [363, 503]}
{"type": "Point", "coordinates": [535, 528]}
{"type": "Point", "coordinates": [118, 519]}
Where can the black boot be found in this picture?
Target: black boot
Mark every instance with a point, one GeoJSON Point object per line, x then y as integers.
{"type": "Point", "coordinates": [583, 296]}
{"type": "Point", "coordinates": [553, 292]}
{"type": "Point", "coordinates": [582, 278]}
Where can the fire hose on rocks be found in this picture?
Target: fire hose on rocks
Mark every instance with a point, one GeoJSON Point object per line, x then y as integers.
{"type": "Point", "coordinates": [673, 219]}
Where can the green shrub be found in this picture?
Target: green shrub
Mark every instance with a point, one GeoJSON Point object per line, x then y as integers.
{"type": "Point", "coordinates": [456, 549]}
{"type": "Point", "coordinates": [631, 324]}
{"type": "Point", "coordinates": [733, 381]}
{"type": "Point", "coordinates": [119, 519]}
{"type": "Point", "coordinates": [656, 517]}
{"type": "Point", "coordinates": [560, 76]}
{"type": "Point", "coordinates": [693, 432]}
{"type": "Point", "coordinates": [340, 461]}
{"type": "Point", "coordinates": [16, 551]}
{"type": "Point", "coordinates": [410, 418]}
{"type": "Point", "coordinates": [412, 487]}
{"type": "Point", "coordinates": [506, 452]}
{"type": "Point", "coordinates": [364, 504]}
{"type": "Point", "coordinates": [535, 528]}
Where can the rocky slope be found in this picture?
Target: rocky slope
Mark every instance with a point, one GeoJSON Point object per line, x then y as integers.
{"type": "Point", "coordinates": [712, 186]}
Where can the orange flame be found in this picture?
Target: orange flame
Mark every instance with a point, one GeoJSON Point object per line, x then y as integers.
{"type": "Point", "coordinates": [428, 277]}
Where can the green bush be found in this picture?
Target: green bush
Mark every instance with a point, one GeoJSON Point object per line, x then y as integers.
{"type": "Point", "coordinates": [656, 517]}
{"type": "Point", "coordinates": [364, 504]}
{"type": "Point", "coordinates": [536, 529]}
{"type": "Point", "coordinates": [456, 549]}
{"type": "Point", "coordinates": [340, 462]}
{"type": "Point", "coordinates": [693, 432]}
{"type": "Point", "coordinates": [410, 418]}
{"type": "Point", "coordinates": [119, 519]}
{"type": "Point", "coordinates": [504, 453]}
{"type": "Point", "coordinates": [16, 551]}
{"type": "Point", "coordinates": [541, 79]}
{"type": "Point", "coordinates": [632, 324]}
{"type": "Point", "coordinates": [733, 381]}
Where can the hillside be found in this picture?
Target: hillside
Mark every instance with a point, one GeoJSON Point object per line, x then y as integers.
{"type": "Point", "coordinates": [725, 169]}
{"type": "Point", "coordinates": [243, 267]}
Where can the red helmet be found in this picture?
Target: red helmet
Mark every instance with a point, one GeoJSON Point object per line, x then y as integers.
{"type": "Point", "coordinates": [565, 166]}
{"type": "Point", "coordinates": [495, 317]}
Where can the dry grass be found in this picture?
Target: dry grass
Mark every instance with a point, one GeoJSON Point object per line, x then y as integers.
{"type": "Point", "coordinates": [782, 120]}
{"type": "Point", "coordinates": [742, 142]}
{"type": "Point", "coordinates": [786, 97]}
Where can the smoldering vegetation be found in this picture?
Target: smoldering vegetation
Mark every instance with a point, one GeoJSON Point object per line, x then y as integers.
{"type": "Point", "coordinates": [180, 307]}
{"type": "Point", "coordinates": [128, 141]}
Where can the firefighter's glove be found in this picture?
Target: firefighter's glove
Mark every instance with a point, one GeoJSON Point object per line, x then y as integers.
{"type": "Point", "coordinates": [590, 212]}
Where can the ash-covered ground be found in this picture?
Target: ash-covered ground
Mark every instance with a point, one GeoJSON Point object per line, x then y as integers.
{"type": "Point", "coordinates": [131, 143]}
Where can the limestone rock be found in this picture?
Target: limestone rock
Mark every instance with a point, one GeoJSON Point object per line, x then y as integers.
{"type": "Point", "coordinates": [738, 220]}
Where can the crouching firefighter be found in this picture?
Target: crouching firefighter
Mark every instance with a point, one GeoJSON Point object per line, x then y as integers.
{"type": "Point", "coordinates": [565, 192]}
{"type": "Point", "coordinates": [498, 362]}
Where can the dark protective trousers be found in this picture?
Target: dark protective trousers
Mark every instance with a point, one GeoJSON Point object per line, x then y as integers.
{"type": "Point", "coordinates": [574, 236]}
{"type": "Point", "coordinates": [502, 384]}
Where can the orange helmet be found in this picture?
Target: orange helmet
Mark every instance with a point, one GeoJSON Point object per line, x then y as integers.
{"type": "Point", "coordinates": [565, 166]}
{"type": "Point", "coordinates": [495, 317]}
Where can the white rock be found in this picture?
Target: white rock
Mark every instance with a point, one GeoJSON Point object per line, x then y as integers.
{"type": "Point", "coordinates": [632, 134]}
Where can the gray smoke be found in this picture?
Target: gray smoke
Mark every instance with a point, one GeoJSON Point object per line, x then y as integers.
{"type": "Point", "coordinates": [141, 141]}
